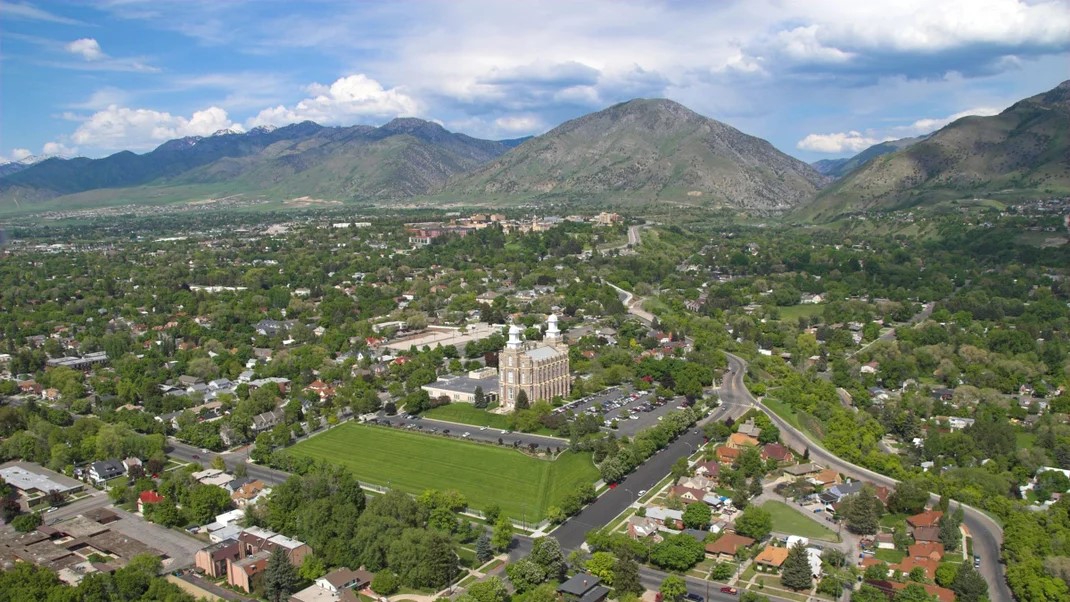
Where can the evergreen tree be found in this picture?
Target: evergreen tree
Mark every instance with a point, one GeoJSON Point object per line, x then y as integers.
{"type": "Point", "coordinates": [280, 577]}
{"type": "Point", "coordinates": [795, 572]}
{"type": "Point", "coordinates": [755, 487]}
{"type": "Point", "coordinates": [862, 511]}
{"type": "Point", "coordinates": [484, 551]}
{"type": "Point", "coordinates": [522, 401]}
{"type": "Point", "coordinates": [950, 535]}
{"type": "Point", "coordinates": [969, 585]}
{"type": "Point", "coordinates": [480, 400]}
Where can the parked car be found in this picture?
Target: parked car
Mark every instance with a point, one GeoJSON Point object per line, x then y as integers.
{"type": "Point", "coordinates": [976, 561]}
{"type": "Point", "coordinates": [693, 597]}
{"type": "Point", "coordinates": [729, 590]}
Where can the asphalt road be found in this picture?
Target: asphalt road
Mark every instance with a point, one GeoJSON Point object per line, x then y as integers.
{"type": "Point", "coordinates": [188, 453]}
{"type": "Point", "coordinates": [987, 536]}
{"type": "Point", "coordinates": [609, 505]}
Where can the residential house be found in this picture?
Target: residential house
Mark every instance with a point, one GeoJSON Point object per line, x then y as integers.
{"type": "Point", "coordinates": [726, 455]}
{"type": "Point", "coordinates": [826, 478]}
{"type": "Point", "coordinates": [696, 482]}
{"type": "Point", "coordinates": [255, 546]}
{"type": "Point", "coordinates": [778, 453]}
{"type": "Point", "coordinates": [241, 572]}
{"type": "Point", "coordinates": [643, 527]}
{"type": "Point", "coordinates": [687, 494]}
{"type": "Point", "coordinates": [836, 493]}
{"type": "Point", "coordinates": [583, 587]}
{"type": "Point", "coordinates": [341, 579]}
{"type": "Point", "coordinates": [771, 558]}
{"type": "Point", "coordinates": [929, 518]}
{"type": "Point", "coordinates": [214, 559]}
{"type": "Point", "coordinates": [749, 429]}
{"type": "Point", "coordinates": [926, 534]}
{"type": "Point", "coordinates": [740, 440]}
{"type": "Point", "coordinates": [106, 470]}
{"type": "Point", "coordinates": [249, 493]}
{"type": "Point", "coordinates": [130, 463]}
{"type": "Point", "coordinates": [666, 517]}
{"type": "Point", "coordinates": [884, 541]}
{"type": "Point", "coordinates": [268, 420]}
{"type": "Point", "coordinates": [802, 470]}
{"type": "Point", "coordinates": [321, 388]}
{"type": "Point", "coordinates": [710, 470]}
{"type": "Point", "coordinates": [727, 546]}
{"type": "Point", "coordinates": [147, 498]}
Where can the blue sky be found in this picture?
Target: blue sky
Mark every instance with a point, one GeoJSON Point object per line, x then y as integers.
{"type": "Point", "coordinates": [818, 79]}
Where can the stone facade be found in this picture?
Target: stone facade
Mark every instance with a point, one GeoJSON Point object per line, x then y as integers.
{"type": "Point", "coordinates": [539, 368]}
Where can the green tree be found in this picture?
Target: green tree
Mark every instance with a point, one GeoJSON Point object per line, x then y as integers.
{"type": "Point", "coordinates": [755, 522]}
{"type": "Point", "coordinates": [909, 497]}
{"type": "Point", "coordinates": [795, 572]}
{"type": "Point", "coordinates": [697, 516]}
{"type": "Point", "coordinates": [969, 585]}
{"type": "Point", "coordinates": [521, 401]}
{"type": "Point", "coordinates": [862, 512]}
{"type": "Point", "coordinates": [868, 593]}
{"type": "Point", "coordinates": [945, 574]}
{"type": "Point", "coordinates": [490, 590]}
{"type": "Point", "coordinates": [601, 564]}
{"type": "Point", "coordinates": [950, 535]}
{"type": "Point", "coordinates": [503, 534]}
{"type": "Point", "coordinates": [311, 568]}
{"type": "Point", "coordinates": [480, 399]}
{"type": "Point", "coordinates": [673, 588]}
{"type": "Point", "coordinates": [913, 593]}
{"type": "Point", "coordinates": [546, 552]}
{"type": "Point", "coordinates": [385, 583]}
{"type": "Point", "coordinates": [484, 551]}
{"type": "Point", "coordinates": [525, 575]}
{"type": "Point", "coordinates": [280, 577]}
{"type": "Point", "coordinates": [677, 552]}
{"type": "Point", "coordinates": [24, 523]}
{"type": "Point", "coordinates": [626, 577]}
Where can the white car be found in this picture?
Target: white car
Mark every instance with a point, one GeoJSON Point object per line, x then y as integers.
{"type": "Point", "coordinates": [642, 492]}
{"type": "Point", "coordinates": [482, 428]}
{"type": "Point", "coordinates": [467, 435]}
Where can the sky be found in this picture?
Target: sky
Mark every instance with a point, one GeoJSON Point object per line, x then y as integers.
{"type": "Point", "coordinates": [817, 78]}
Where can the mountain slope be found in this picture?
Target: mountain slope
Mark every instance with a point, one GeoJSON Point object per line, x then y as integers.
{"type": "Point", "coordinates": [1023, 151]}
{"type": "Point", "coordinates": [403, 158]}
{"type": "Point", "coordinates": [837, 168]}
{"type": "Point", "coordinates": [647, 150]}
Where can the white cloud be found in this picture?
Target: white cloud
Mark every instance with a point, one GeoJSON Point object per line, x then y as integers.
{"type": "Point", "coordinates": [100, 99]}
{"type": "Point", "coordinates": [840, 142]}
{"type": "Point", "coordinates": [17, 154]}
{"type": "Point", "coordinates": [119, 127]}
{"type": "Point", "coordinates": [28, 12]}
{"type": "Point", "coordinates": [924, 126]}
{"type": "Point", "coordinates": [88, 48]}
{"type": "Point", "coordinates": [58, 149]}
{"type": "Point", "coordinates": [520, 124]}
{"type": "Point", "coordinates": [348, 99]}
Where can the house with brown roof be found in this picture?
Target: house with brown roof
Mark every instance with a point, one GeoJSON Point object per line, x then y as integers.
{"type": "Point", "coordinates": [214, 559]}
{"type": "Point", "coordinates": [247, 493]}
{"type": "Point", "coordinates": [340, 579]}
{"type": "Point", "coordinates": [929, 518]}
{"type": "Point", "coordinates": [826, 478]}
{"type": "Point", "coordinates": [687, 494]}
{"type": "Point", "coordinates": [924, 534]}
{"type": "Point", "coordinates": [909, 563]}
{"type": "Point", "coordinates": [740, 440]}
{"type": "Point", "coordinates": [771, 558]}
{"type": "Point", "coordinates": [929, 549]}
{"type": "Point", "coordinates": [727, 546]}
{"type": "Point", "coordinates": [777, 452]}
{"type": "Point", "coordinates": [726, 455]}
{"type": "Point", "coordinates": [710, 470]}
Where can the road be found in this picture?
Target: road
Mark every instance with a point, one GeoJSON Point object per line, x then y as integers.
{"type": "Point", "coordinates": [633, 303]}
{"type": "Point", "coordinates": [609, 505]}
{"type": "Point", "coordinates": [926, 311]}
{"type": "Point", "coordinates": [987, 535]}
{"type": "Point", "coordinates": [188, 453]}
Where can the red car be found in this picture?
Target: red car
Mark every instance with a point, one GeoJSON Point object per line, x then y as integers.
{"type": "Point", "coordinates": [729, 590]}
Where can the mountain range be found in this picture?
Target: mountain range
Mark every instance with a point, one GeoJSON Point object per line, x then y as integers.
{"type": "Point", "coordinates": [640, 151]}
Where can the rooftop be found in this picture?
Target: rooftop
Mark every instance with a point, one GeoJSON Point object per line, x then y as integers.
{"type": "Point", "coordinates": [28, 477]}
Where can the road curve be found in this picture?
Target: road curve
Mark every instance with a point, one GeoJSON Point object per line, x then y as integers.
{"type": "Point", "coordinates": [987, 535]}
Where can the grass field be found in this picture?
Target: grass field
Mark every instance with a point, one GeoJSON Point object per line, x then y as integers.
{"type": "Point", "coordinates": [787, 520]}
{"type": "Point", "coordinates": [794, 312]}
{"type": "Point", "coordinates": [523, 486]}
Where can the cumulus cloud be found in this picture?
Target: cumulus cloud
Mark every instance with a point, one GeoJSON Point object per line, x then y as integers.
{"type": "Point", "coordinates": [346, 100]}
{"type": "Point", "coordinates": [119, 127]}
{"type": "Point", "coordinates": [519, 124]}
{"type": "Point", "coordinates": [58, 149]}
{"type": "Point", "coordinates": [17, 154]}
{"type": "Point", "coordinates": [929, 124]}
{"type": "Point", "coordinates": [87, 48]}
{"type": "Point", "coordinates": [839, 142]}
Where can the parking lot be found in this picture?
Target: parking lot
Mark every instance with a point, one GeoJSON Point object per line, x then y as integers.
{"type": "Point", "coordinates": [468, 431]}
{"type": "Point", "coordinates": [633, 410]}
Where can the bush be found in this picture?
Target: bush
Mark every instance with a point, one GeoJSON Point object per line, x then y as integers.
{"type": "Point", "coordinates": [24, 523]}
{"type": "Point", "coordinates": [385, 583]}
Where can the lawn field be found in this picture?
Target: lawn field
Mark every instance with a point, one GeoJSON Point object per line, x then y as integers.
{"type": "Point", "coordinates": [794, 312]}
{"type": "Point", "coordinates": [523, 486]}
{"type": "Point", "coordinates": [788, 520]}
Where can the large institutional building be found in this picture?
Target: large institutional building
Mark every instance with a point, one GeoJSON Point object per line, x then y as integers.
{"type": "Point", "coordinates": [539, 368]}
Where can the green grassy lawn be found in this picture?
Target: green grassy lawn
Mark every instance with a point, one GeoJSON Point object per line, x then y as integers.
{"type": "Point", "coordinates": [787, 520]}
{"type": "Point", "coordinates": [891, 521]}
{"type": "Point", "coordinates": [1025, 440]}
{"type": "Point", "coordinates": [523, 486]}
{"type": "Point", "coordinates": [889, 556]}
{"type": "Point", "coordinates": [794, 312]}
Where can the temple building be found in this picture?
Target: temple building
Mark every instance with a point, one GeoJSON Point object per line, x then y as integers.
{"type": "Point", "coordinates": [539, 368]}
